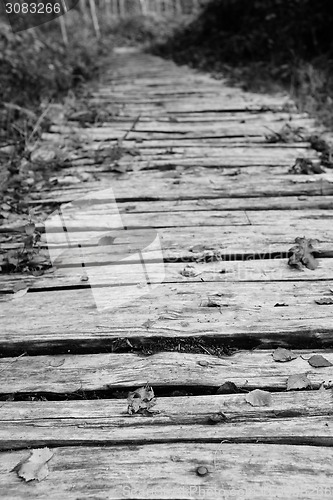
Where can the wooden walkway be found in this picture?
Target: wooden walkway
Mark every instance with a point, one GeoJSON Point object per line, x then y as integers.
{"type": "Point", "coordinates": [193, 164]}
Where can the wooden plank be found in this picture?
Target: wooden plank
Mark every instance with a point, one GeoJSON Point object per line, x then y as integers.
{"type": "Point", "coordinates": [277, 203]}
{"type": "Point", "coordinates": [190, 244]}
{"type": "Point", "coordinates": [169, 471]}
{"type": "Point", "coordinates": [248, 314]}
{"type": "Point", "coordinates": [56, 138]}
{"type": "Point", "coordinates": [175, 410]}
{"type": "Point", "coordinates": [292, 418]}
{"type": "Point", "coordinates": [105, 216]}
{"type": "Point", "coordinates": [198, 184]}
{"type": "Point", "coordinates": [176, 131]}
{"type": "Point", "coordinates": [68, 373]}
{"type": "Point", "coordinates": [99, 217]}
{"type": "Point", "coordinates": [247, 270]}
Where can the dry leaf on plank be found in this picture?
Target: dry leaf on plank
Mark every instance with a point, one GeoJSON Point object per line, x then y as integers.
{"type": "Point", "coordinates": [296, 382]}
{"type": "Point", "coordinates": [302, 254]}
{"type": "Point", "coordinates": [35, 467]}
{"type": "Point", "coordinates": [283, 355]}
{"type": "Point", "coordinates": [141, 400]}
{"type": "Point", "coordinates": [259, 398]}
{"type": "Point", "coordinates": [318, 361]}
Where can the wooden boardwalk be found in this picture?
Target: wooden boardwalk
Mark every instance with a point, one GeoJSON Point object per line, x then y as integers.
{"type": "Point", "coordinates": [187, 158]}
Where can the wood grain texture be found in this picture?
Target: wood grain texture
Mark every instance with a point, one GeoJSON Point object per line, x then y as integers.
{"type": "Point", "coordinates": [291, 418]}
{"type": "Point", "coordinates": [259, 471]}
{"type": "Point", "coordinates": [247, 270]}
{"type": "Point", "coordinates": [246, 312]}
{"type": "Point", "coordinates": [197, 184]}
{"type": "Point", "coordinates": [74, 373]}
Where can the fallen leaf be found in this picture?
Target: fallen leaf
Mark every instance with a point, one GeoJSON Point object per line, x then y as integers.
{"type": "Point", "coordinates": [141, 400]}
{"type": "Point", "coordinates": [203, 363]}
{"type": "Point", "coordinates": [214, 301]}
{"type": "Point", "coordinates": [30, 228]}
{"type": "Point", "coordinates": [324, 302]}
{"type": "Point", "coordinates": [106, 240]}
{"type": "Point", "coordinates": [35, 467]}
{"type": "Point", "coordinates": [37, 272]}
{"type": "Point", "coordinates": [306, 166]}
{"type": "Point", "coordinates": [68, 179]}
{"type": "Point", "coordinates": [296, 382]}
{"type": "Point", "coordinates": [286, 134]}
{"type": "Point", "coordinates": [319, 361]}
{"type": "Point", "coordinates": [283, 355]}
{"type": "Point", "coordinates": [43, 155]}
{"type": "Point", "coordinates": [302, 254]}
{"type": "Point", "coordinates": [189, 272]}
{"type": "Point", "coordinates": [227, 388]}
{"type": "Point", "coordinates": [217, 418]}
{"type": "Point", "coordinates": [198, 248]}
{"type": "Point", "coordinates": [147, 324]}
{"type": "Point", "coordinates": [20, 293]}
{"type": "Point", "coordinates": [259, 398]}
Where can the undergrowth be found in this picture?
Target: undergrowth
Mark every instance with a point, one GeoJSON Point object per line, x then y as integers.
{"type": "Point", "coordinates": [266, 45]}
{"type": "Point", "coordinates": [37, 68]}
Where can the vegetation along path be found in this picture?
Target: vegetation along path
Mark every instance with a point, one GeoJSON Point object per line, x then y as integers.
{"type": "Point", "coordinates": [235, 341]}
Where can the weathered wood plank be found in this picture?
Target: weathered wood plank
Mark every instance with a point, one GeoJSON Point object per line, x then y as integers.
{"type": "Point", "coordinates": [298, 418]}
{"type": "Point", "coordinates": [65, 374]}
{"type": "Point", "coordinates": [248, 312]}
{"type": "Point", "coordinates": [163, 132]}
{"type": "Point", "coordinates": [247, 270]}
{"type": "Point", "coordinates": [182, 164]}
{"type": "Point", "coordinates": [247, 142]}
{"type": "Point", "coordinates": [301, 202]}
{"type": "Point", "coordinates": [68, 432]}
{"type": "Point", "coordinates": [169, 471]}
{"type": "Point", "coordinates": [173, 410]}
{"type": "Point", "coordinates": [198, 183]}
{"type": "Point", "coordinates": [193, 244]}
{"type": "Point", "coordinates": [105, 216]}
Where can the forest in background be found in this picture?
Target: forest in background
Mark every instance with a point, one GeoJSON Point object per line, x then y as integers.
{"type": "Point", "coordinates": [264, 45]}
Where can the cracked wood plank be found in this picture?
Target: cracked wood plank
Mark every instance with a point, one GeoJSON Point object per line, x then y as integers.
{"type": "Point", "coordinates": [291, 418]}
{"type": "Point", "coordinates": [259, 470]}
{"type": "Point", "coordinates": [247, 313]}
{"type": "Point", "coordinates": [246, 270]}
{"type": "Point", "coordinates": [66, 374]}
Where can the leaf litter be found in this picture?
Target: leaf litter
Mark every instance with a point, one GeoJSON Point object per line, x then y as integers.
{"type": "Point", "coordinates": [286, 134]}
{"type": "Point", "coordinates": [35, 467]}
{"type": "Point", "coordinates": [141, 401]}
{"type": "Point", "coordinates": [306, 166]}
{"type": "Point", "coordinates": [302, 254]}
